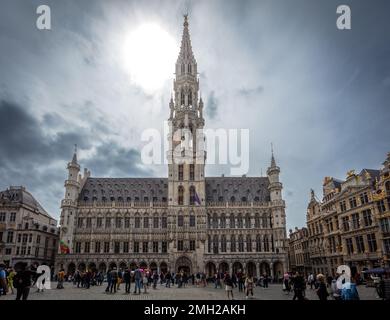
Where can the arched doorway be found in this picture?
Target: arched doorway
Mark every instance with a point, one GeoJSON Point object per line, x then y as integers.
{"type": "Point", "coordinates": [82, 267]}
{"type": "Point", "coordinates": [133, 266]}
{"type": "Point", "coordinates": [102, 267]}
{"type": "Point", "coordinates": [71, 268]}
{"type": "Point", "coordinates": [92, 266]}
{"type": "Point", "coordinates": [153, 266]}
{"type": "Point", "coordinates": [237, 267]}
{"type": "Point", "coordinates": [143, 265]}
{"type": "Point", "coordinates": [122, 265]}
{"type": "Point", "coordinates": [278, 271]}
{"type": "Point", "coordinates": [112, 265]}
{"type": "Point", "coordinates": [264, 268]}
{"type": "Point", "coordinates": [163, 267]}
{"type": "Point", "coordinates": [251, 269]}
{"type": "Point", "coordinates": [211, 269]}
{"type": "Point", "coordinates": [223, 267]}
{"type": "Point", "coordinates": [183, 264]}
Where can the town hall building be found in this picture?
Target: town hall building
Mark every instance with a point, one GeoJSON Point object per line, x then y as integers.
{"type": "Point", "coordinates": [185, 221]}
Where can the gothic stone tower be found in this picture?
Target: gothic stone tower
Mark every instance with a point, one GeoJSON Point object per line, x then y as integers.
{"type": "Point", "coordinates": [186, 158]}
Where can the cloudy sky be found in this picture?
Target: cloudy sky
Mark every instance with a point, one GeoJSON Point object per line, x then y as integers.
{"type": "Point", "coordinates": [279, 68]}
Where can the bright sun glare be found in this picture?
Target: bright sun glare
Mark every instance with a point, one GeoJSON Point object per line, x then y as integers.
{"type": "Point", "coordinates": [149, 56]}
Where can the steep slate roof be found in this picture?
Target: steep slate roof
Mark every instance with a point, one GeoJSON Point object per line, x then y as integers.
{"type": "Point", "coordinates": [124, 188]}
{"type": "Point", "coordinates": [217, 189]}
{"type": "Point", "coordinates": [224, 188]}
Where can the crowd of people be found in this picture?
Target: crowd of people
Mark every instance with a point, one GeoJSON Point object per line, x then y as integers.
{"type": "Point", "coordinates": [325, 287]}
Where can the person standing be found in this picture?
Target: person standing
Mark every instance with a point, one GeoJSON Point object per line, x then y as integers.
{"type": "Point", "coordinates": [109, 280]}
{"type": "Point", "coordinates": [145, 281]}
{"type": "Point", "coordinates": [228, 286]}
{"type": "Point", "coordinates": [168, 280]}
{"type": "Point", "coordinates": [60, 279]}
{"type": "Point", "coordinates": [127, 279]}
{"type": "Point", "coordinates": [114, 280]}
{"type": "Point", "coordinates": [155, 279]}
{"type": "Point", "coordinates": [322, 292]}
{"type": "Point", "coordinates": [310, 280]}
{"type": "Point", "coordinates": [138, 280]}
{"type": "Point", "coordinates": [22, 282]}
{"type": "Point", "coordinates": [265, 281]}
{"type": "Point", "coordinates": [3, 280]}
{"type": "Point", "coordinates": [249, 283]}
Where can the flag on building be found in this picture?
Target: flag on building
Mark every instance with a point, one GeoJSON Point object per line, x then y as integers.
{"type": "Point", "coordinates": [64, 248]}
{"type": "Point", "coordinates": [196, 199]}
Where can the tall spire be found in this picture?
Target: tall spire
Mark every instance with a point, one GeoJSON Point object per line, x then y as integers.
{"type": "Point", "coordinates": [186, 54]}
{"type": "Point", "coordinates": [74, 159]}
{"type": "Point", "coordinates": [273, 162]}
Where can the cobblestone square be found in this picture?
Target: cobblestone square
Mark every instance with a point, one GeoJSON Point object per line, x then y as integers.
{"type": "Point", "coordinates": [71, 292]}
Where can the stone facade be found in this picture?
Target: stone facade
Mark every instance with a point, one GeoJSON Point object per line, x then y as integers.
{"type": "Point", "coordinates": [299, 255]}
{"type": "Point", "coordinates": [27, 232]}
{"type": "Point", "coordinates": [351, 224]}
{"type": "Point", "coordinates": [185, 221]}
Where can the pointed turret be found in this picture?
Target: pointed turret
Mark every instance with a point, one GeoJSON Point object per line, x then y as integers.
{"type": "Point", "coordinates": [186, 54]}
{"type": "Point", "coordinates": [273, 171]}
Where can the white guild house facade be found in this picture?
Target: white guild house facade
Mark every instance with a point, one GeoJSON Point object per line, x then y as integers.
{"type": "Point", "coordinates": [183, 221]}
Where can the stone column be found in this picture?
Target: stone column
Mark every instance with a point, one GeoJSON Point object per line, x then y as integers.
{"type": "Point", "coordinates": [258, 270]}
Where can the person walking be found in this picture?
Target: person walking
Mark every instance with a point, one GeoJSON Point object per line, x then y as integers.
{"type": "Point", "coordinates": [310, 280]}
{"type": "Point", "coordinates": [228, 286]}
{"type": "Point", "coordinates": [114, 280]}
{"type": "Point", "coordinates": [155, 280]}
{"type": "Point", "coordinates": [249, 283]}
{"type": "Point", "coordinates": [109, 280]}
{"type": "Point", "coordinates": [322, 292]}
{"type": "Point", "coordinates": [22, 282]}
{"type": "Point", "coordinates": [10, 280]}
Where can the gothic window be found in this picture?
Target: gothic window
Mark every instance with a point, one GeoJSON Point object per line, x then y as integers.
{"type": "Point", "coordinates": [209, 243]}
{"type": "Point", "coordinates": [265, 221]}
{"type": "Point", "coordinates": [137, 222]}
{"type": "Point", "coordinates": [155, 222]}
{"type": "Point", "coordinates": [248, 243]}
{"type": "Point", "coordinates": [265, 244]}
{"type": "Point", "coordinates": [215, 244]}
{"type": "Point", "coordinates": [192, 195]}
{"type": "Point", "coordinates": [192, 220]}
{"type": "Point", "coordinates": [232, 199]}
{"type": "Point", "coordinates": [258, 243]}
{"type": "Point", "coordinates": [223, 221]}
{"type": "Point", "coordinates": [223, 243]}
{"type": "Point", "coordinates": [232, 221]}
{"type": "Point", "coordinates": [146, 222]}
{"type": "Point", "coordinates": [247, 221]}
{"type": "Point", "coordinates": [181, 168]}
{"type": "Point", "coordinates": [118, 222]}
{"type": "Point", "coordinates": [233, 244]}
{"type": "Point", "coordinates": [240, 222]}
{"type": "Point", "coordinates": [240, 243]}
{"type": "Point", "coordinates": [180, 199]}
{"type": "Point", "coordinates": [180, 220]}
{"type": "Point", "coordinates": [192, 172]}
{"type": "Point", "coordinates": [257, 221]}
{"type": "Point", "coordinates": [183, 69]}
{"type": "Point", "coordinates": [189, 68]}
{"type": "Point", "coordinates": [164, 223]}
{"type": "Point", "coordinates": [182, 98]}
{"type": "Point", "coordinates": [215, 221]}
{"type": "Point", "coordinates": [190, 98]}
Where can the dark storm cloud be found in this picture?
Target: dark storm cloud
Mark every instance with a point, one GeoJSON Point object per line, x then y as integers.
{"type": "Point", "coordinates": [212, 105]}
{"type": "Point", "coordinates": [22, 139]}
{"type": "Point", "coordinates": [111, 160]}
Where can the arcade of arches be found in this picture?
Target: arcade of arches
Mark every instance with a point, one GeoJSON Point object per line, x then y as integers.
{"type": "Point", "coordinates": [273, 269]}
